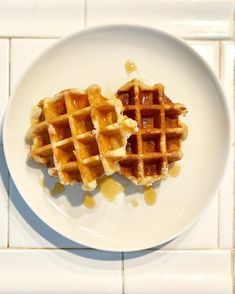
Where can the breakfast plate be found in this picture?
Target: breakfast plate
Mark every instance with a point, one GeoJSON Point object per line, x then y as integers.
{"type": "Point", "coordinates": [98, 56]}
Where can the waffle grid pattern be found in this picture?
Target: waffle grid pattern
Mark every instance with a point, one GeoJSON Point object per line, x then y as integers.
{"type": "Point", "coordinates": [65, 138]}
{"type": "Point", "coordinates": [157, 143]}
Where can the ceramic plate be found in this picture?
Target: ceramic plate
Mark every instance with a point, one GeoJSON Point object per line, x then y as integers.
{"type": "Point", "coordinates": [98, 55]}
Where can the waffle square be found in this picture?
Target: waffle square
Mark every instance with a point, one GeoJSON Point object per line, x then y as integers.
{"type": "Point", "coordinates": [157, 143]}
{"type": "Point", "coordinates": [80, 135]}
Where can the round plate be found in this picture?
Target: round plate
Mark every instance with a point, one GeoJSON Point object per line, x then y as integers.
{"type": "Point", "coordinates": [98, 55]}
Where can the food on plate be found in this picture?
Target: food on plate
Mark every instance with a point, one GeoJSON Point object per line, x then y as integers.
{"type": "Point", "coordinates": [157, 144]}
{"type": "Point", "coordinates": [80, 135]}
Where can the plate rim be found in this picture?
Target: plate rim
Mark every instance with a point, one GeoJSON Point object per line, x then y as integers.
{"type": "Point", "coordinates": [80, 32]}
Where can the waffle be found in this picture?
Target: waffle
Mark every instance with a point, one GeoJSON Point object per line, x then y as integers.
{"type": "Point", "coordinates": [157, 143]}
{"type": "Point", "coordinates": [80, 135]}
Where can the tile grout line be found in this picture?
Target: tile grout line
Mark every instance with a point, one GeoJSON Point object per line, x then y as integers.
{"type": "Point", "coordinates": [233, 148]}
{"type": "Point", "coordinates": [186, 38]}
{"type": "Point", "coordinates": [233, 211]}
{"type": "Point", "coordinates": [233, 126]}
{"type": "Point", "coordinates": [93, 249]}
{"type": "Point", "coordinates": [144, 250]}
{"type": "Point", "coordinates": [8, 174]}
{"type": "Point", "coordinates": [30, 37]}
{"type": "Point", "coordinates": [232, 271]}
{"type": "Point", "coordinates": [123, 274]}
{"type": "Point", "coordinates": [218, 220]}
{"type": "Point", "coordinates": [218, 194]}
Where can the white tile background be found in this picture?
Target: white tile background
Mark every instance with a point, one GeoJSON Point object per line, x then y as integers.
{"type": "Point", "coordinates": [199, 261]}
{"type": "Point", "coordinates": [147, 273]}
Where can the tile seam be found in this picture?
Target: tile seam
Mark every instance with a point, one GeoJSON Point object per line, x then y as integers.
{"type": "Point", "coordinates": [8, 174]}
{"type": "Point", "coordinates": [186, 38]}
{"type": "Point", "coordinates": [144, 251]}
{"type": "Point", "coordinates": [123, 273]}
{"type": "Point", "coordinates": [31, 37]}
{"type": "Point", "coordinates": [219, 193]}
{"type": "Point", "coordinates": [233, 148]}
{"type": "Point", "coordinates": [232, 270]}
{"type": "Point", "coordinates": [218, 219]}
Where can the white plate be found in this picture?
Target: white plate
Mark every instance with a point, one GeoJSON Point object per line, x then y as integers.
{"type": "Point", "coordinates": [98, 55]}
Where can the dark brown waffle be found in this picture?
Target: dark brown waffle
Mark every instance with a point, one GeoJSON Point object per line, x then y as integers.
{"type": "Point", "coordinates": [157, 143]}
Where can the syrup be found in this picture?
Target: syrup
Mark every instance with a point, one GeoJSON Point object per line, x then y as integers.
{"type": "Point", "coordinates": [58, 188]}
{"type": "Point", "coordinates": [130, 66]}
{"type": "Point", "coordinates": [43, 185]}
{"type": "Point", "coordinates": [174, 171]}
{"type": "Point", "coordinates": [110, 188]}
{"type": "Point", "coordinates": [185, 133]}
{"type": "Point", "coordinates": [42, 182]}
{"type": "Point", "coordinates": [135, 203]}
{"type": "Point", "coordinates": [89, 200]}
{"type": "Point", "coordinates": [150, 196]}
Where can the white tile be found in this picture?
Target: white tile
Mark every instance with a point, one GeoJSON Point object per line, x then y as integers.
{"type": "Point", "coordinates": [23, 52]}
{"type": "Point", "coordinates": [4, 61]}
{"type": "Point", "coordinates": [40, 18]}
{"type": "Point", "coordinates": [26, 229]}
{"type": "Point", "coordinates": [3, 200]}
{"type": "Point", "coordinates": [226, 190]}
{"type": "Point", "coordinates": [203, 234]}
{"type": "Point", "coordinates": [60, 271]}
{"type": "Point", "coordinates": [187, 18]}
{"type": "Point", "coordinates": [209, 51]}
{"type": "Point", "coordinates": [183, 272]}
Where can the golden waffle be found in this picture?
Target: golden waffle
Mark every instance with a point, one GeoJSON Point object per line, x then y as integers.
{"type": "Point", "coordinates": [157, 143]}
{"type": "Point", "coordinates": [80, 135]}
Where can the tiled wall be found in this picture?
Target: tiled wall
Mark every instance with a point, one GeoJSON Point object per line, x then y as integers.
{"type": "Point", "coordinates": [200, 260]}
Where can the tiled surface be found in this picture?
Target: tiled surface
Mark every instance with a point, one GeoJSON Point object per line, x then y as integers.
{"type": "Point", "coordinates": [3, 200]}
{"type": "Point", "coordinates": [59, 271]}
{"type": "Point", "coordinates": [40, 18]}
{"type": "Point", "coordinates": [226, 190]}
{"type": "Point", "coordinates": [199, 271]}
{"type": "Point", "coordinates": [181, 266]}
{"type": "Point", "coordinates": [195, 19]}
{"type": "Point", "coordinates": [4, 62]}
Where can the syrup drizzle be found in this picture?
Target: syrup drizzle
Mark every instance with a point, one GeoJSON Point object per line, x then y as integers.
{"type": "Point", "coordinates": [110, 188]}
{"type": "Point", "coordinates": [175, 170]}
{"type": "Point", "coordinates": [150, 196]}
{"type": "Point", "coordinates": [130, 66]}
{"type": "Point", "coordinates": [58, 188]}
{"type": "Point", "coordinates": [89, 200]}
{"type": "Point", "coordinates": [135, 203]}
